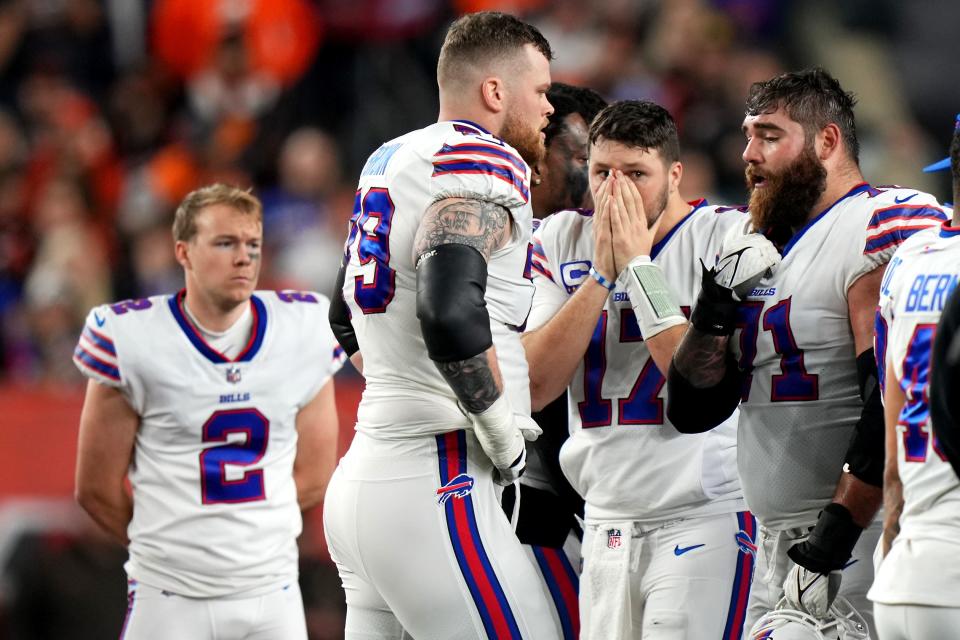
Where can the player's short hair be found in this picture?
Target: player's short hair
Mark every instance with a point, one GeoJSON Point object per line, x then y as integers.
{"type": "Point", "coordinates": [638, 123]}
{"type": "Point", "coordinates": [482, 38]}
{"type": "Point", "coordinates": [185, 219]}
{"type": "Point", "coordinates": [567, 99]}
{"type": "Point", "coordinates": [811, 97]}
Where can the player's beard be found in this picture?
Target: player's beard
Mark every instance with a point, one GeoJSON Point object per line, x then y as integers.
{"type": "Point", "coordinates": [526, 139]}
{"type": "Point", "coordinates": [784, 202]}
{"type": "Point", "coordinates": [653, 213]}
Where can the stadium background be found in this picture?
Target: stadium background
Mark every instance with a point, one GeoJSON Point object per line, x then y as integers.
{"type": "Point", "coordinates": [111, 110]}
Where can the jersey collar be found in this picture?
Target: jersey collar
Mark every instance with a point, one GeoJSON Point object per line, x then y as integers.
{"type": "Point", "coordinates": [860, 188]}
{"type": "Point", "coordinates": [259, 311]}
{"type": "Point", "coordinates": [948, 231]}
{"type": "Point", "coordinates": [658, 247]}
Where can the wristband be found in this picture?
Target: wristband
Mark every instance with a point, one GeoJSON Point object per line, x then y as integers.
{"type": "Point", "coordinates": [650, 296]}
{"type": "Point", "coordinates": [606, 284]}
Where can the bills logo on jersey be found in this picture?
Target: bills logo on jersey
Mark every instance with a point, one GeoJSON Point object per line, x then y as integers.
{"type": "Point", "coordinates": [459, 487]}
{"type": "Point", "coordinates": [233, 374]}
{"type": "Point", "coordinates": [614, 539]}
{"type": "Point", "coordinates": [745, 543]}
{"type": "Point", "coordinates": [574, 273]}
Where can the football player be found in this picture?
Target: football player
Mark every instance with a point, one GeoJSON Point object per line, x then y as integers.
{"type": "Point", "coordinates": [667, 545]}
{"type": "Point", "coordinates": [915, 595]}
{"type": "Point", "coordinates": [435, 287]}
{"type": "Point", "coordinates": [217, 403]}
{"type": "Point", "coordinates": [799, 284]}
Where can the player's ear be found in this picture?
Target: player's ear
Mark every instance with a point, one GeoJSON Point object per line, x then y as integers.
{"type": "Point", "coordinates": [493, 93]}
{"type": "Point", "coordinates": [536, 173]}
{"type": "Point", "coordinates": [181, 253]}
{"type": "Point", "coordinates": [675, 176]}
{"type": "Point", "coordinates": [828, 141]}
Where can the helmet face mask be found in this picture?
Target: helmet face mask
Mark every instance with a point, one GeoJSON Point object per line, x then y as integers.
{"type": "Point", "coordinates": [790, 624]}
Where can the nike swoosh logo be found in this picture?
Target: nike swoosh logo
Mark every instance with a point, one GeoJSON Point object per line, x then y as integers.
{"type": "Point", "coordinates": [100, 321]}
{"type": "Point", "coordinates": [727, 262]}
{"type": "Point", "coordinates": [902, 200]}
{"type": "Point", "coordinates": [679, 551]}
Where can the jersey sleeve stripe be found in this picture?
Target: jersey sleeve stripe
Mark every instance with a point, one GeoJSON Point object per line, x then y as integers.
{"type": "Point", "coordinates": [891, 238]}
{"type": "Point", "coordinates": [496, 170]}
{"type": "Point", "coordinates": [881, 217]}
{"type": "Point", "coordinates": [488, 150]}
{"type": "Point", "coordinates": [83, 357]}
{"type": "Point", "coordinates": [542, 270]}
{"type": "Point", "coordinates": [100, 341]}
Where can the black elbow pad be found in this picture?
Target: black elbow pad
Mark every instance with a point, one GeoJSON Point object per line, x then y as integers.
{"type": "Point", "coordinates": [865, 454]}
{"type": "Point", "coordinates": [694, 410]}
{"type": "Point", "coordinates": [451, 284]}
{"type": "Point", "coordinates": [339, 317]}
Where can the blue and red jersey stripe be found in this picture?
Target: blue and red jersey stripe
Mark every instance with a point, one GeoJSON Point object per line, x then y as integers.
{"type": "Point", "coordinates": [485, 588]}
{"type": "Point", "coordinates": [564, 586]}
{"type": "Point", "coordinates": [94, 363]}
{"type": "Point", "coordinates": [100, 341]}
{"type": "Point", "coordinates": [743, 577]}
{"type": "Point", "coordinates": [499, 171]}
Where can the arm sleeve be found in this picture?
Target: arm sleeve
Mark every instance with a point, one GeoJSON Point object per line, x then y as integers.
{"type": "Point", "coordinates": [480, 166]}
{"type": "Point", "coordinates": [96, 352]}
{"type": "Point", "coordinates": [899, 213]}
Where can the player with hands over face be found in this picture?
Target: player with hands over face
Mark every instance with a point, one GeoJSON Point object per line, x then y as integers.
{"type": "Point", "coordinates": [667, 542]}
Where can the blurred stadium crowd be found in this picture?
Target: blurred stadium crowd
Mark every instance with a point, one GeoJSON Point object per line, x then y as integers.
{"type": "Point", "coordinates": [112, 110]}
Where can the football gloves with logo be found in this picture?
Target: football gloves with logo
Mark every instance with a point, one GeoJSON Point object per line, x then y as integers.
{"type": "Point", "coordinates": [745, 261]}
{"type": "Point", "coordinates": [813, 583]}
{"type": "Point", "coordinates": [810, 591]}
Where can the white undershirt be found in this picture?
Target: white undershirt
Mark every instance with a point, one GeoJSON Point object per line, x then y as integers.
{"type": "Point", "coordinates": [230, 341]}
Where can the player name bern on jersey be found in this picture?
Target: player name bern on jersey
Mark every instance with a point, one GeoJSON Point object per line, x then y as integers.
{"type": "Point", "coordinates": [916, 285]}
{"type": "Point", "coordinates": [622, 456]}
{"type": "Point", "coordinates": [405, 394]}
{"type": "Point", "coordinates": [795, 343]}
{"type": "Point", "coordinates": [217, 438]}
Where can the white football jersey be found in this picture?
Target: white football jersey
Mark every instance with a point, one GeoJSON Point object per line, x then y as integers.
{"type": "Point", "coordinates": [215, 506]}
{"type": "Point", "coordinates": [622, 456]}
{"type": "Point", "coordinates": [801, 398]}
{"type": "Point", "coordinates": [405, 394]}
{"type": "Point", "coordinates": [916, 285]}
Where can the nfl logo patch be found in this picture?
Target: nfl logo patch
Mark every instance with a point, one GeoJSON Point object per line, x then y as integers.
{"type": "Point", "coordinates": [613, 539]}
{"type": "Point", "coordinates": [233, 374]}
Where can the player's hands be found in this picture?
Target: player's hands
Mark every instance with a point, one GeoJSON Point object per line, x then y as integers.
{"type": "Point", "coordinates": [810, 591]}
{"type": "Point", "coordinates": [602, 234]}
{"type": "Point", "coordinates": [632, 235]}
{"type": "Point", "coordinates": [500, 433]}
{"type": "Point", "coordinates": [744, 262]}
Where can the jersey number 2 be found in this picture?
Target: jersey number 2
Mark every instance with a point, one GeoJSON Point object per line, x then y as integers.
{"type": "Point", "coordinates": [215, 488]}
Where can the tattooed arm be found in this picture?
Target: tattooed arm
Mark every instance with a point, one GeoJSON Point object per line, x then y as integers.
{"type": "Point", "coordinates": [701, 358]}
{"type": "Point", "coordinates": [484, 227]}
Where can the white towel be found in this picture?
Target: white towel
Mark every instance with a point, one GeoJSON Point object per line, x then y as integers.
{"type": "Point", "coordinates": [605, 584]}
